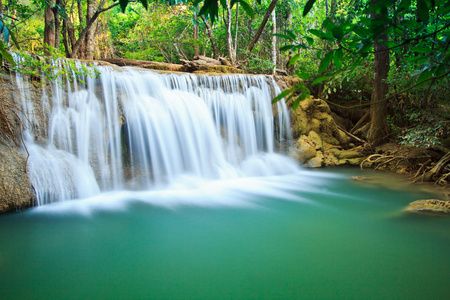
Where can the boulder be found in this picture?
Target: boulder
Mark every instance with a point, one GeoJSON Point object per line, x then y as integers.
{"type": "Point", "coordinates": [315, 114]}
{"type": "Point", "coordinates": [430, 206]}
{"type": "Point", "coordinates": [320, 142]}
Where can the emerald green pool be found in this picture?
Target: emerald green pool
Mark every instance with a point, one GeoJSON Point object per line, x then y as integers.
{"type": "Point", "coordinates": [312, 235]}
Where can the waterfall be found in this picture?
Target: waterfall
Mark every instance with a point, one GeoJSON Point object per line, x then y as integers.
{"type": "Point", "coordinates": [141, 130]}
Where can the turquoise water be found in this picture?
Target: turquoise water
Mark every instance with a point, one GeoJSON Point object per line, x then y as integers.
{"type": "Point", "coordinates": [312, 235]}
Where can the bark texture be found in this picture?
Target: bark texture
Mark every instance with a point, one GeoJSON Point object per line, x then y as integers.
{"type": "Point", "coordinates": [49, 29]}
{"type": "Point", "coordinates": [378, 108]}
{"type": "Point", "coordinates": [272, 5]}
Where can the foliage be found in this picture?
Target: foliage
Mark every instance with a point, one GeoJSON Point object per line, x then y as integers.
{"type": "Point", "coordinates": [409, 28]}
{"type": "Point", "coordinates": [52, 68]}
{"type": "Point", "coordinates": [142, 34]}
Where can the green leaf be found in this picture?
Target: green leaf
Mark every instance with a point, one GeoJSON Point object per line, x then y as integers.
{"type": "Point", "coordinates": [338, 54]}
{"type": "Point", "coordinates": [305, 94]}
{"type": "Point", "coordinates": [318, 33]}
{"type": "Point", "coordinates": [290, 97]}
{"type": "Point", "coordinates": [310, 40]}
{"type": "Point", "coordinates": [308, 7]}
{"type": "Point", "coordinates": [374, 6]}
{"type": "Point", "coordinates": [296, 103]}
{"type": "Point", "coordinates": [440, 70]}
{"type": "Point", "coordinates": [328, 24]}
{"type": "Point", "coordinates": [283, 94]}
{"type": "Point", "coordinates": [405, 4]}
{"type": "Point", "coordinates": [291, 34]}
{"type": "Point", "coordinates": [338, 33]}
{"type": "Point", "coordinates": [247, 8]}
{"type": "Point", "coordinates": [303, 75]}
{"type": "Point", "coordinates": [360, 30]}
{"type": "Point", "coordinates": [422, 11]}
{"type": "Point", "coordinates": [443, 9]}
{"type": "Point", "coordinates": [13, 38]}
{"type": "Point", "coordinates": [424, 76]}
{"type": "Point", "coordinates": [294, 59]}
{"type": "Point", "coordinates": [5, 54]}
{"type": "Point", "coordinates": [287, 47]}
{"type": "Point", "coordinates": [410, 23]}
{"type": "Point", "coordinates": [284, 36]}
{"type": "Point", "coordinates": [326, 61]}
{"type": "Point", "coordinates": [423, 50]}
{"type": "Point", "coordinates": [320, 80]}
{"type": "Point", "coordinates": [210, 8]}
{"type": "Point", "coordinates": [300, 46]}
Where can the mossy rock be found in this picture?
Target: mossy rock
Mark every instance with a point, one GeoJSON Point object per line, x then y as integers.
{"type": "Point", "coordinates": [430, 206]}
{"type": "Point", "coordinates": [314, 114]}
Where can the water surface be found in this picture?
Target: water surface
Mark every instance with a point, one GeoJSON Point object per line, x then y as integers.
{"type": "Point", "coordinates": [312, 235]}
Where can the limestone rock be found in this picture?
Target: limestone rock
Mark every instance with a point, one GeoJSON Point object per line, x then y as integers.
{"type": "Point", "coordinates": [15, 187]}
{"type": "Point", "coordinates": [308, 150]}
{"type": "Point", "coordinates": [304, 151]}
{"type": "Point", "coordinates": [315, 114]}
{"type": "Point", "coordinates": [430, 206]}
{"type": "Point", "coordinates": [316, 162]}
{"type": "Point", "coordinates": [314, 127]}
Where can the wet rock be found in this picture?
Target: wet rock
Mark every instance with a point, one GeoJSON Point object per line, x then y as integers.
{"type": "Point", "coordinates": [15, 187]}
{"type": "Point", "coordinates": [430, 206]}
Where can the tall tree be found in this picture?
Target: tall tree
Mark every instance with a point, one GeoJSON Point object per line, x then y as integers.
{"type": "Point", "coordinates": [252, 44]}
{"type": "Point", "coordinates": [49, 29]}
{"type": "Point", "coordinates": [274, 40]}
{"type": "Point", "coordinates": [90, 34]}
{"type": "Point", "coordinates": [378, 108]}
{"type": "Point", "coordinates": [227, 20]}
{"type": "Point", "coordinates": [90, 22]}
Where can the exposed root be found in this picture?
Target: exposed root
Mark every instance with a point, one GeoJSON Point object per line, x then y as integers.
{"type": "Point", "coordinates": [375, 158]}
{"type": "Point", "coordinates": [436, 173]}
{"type": "Point", "coordinates": [422, 168]}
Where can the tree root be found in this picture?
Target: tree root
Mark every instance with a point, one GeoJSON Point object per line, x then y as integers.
{"type": "Point", "coordinates": [435, 174]}
{"type": "Point", "coordinates": [375, 158]}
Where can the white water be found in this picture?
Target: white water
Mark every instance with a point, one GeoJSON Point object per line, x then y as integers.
{"type": "Point", "coordinates": [141, 131]}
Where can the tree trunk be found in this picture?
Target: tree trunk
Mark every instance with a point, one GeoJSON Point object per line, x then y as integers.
{"type": "Point", "coordinates": [378, 108]}
{"type": "Point", "coordinates": [215, 50]}
{"type": "Point", "coordinates": [274, 41]}
{"type": "Point", "coordinates": [57, 23]}
{"type": "Point", "coordinates": [90, 35]}
{"type": "Point", "coordinates": [196, 35]}
{"type": "Point", "coordinates": [236, 29]}
{"type": "Point", "coordinates": [81, 38]}
{"type": "Point", "coordinates": [229, 35]}
{"type": "Point", "coordinates": [263, 24]}
{"type": "Point", "coordinates": [65, 39]}
{"type": "Point", "coordinates": [81, 50]}
{"type": "Point", "coordinates": [49, 29]}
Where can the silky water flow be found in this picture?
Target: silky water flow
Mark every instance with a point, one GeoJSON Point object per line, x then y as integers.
{"type": "Point", "coordinates": [140, 130]}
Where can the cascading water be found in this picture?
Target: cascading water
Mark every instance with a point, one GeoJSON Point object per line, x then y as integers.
{"type": "Point", "coordinates": [140, 130]}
